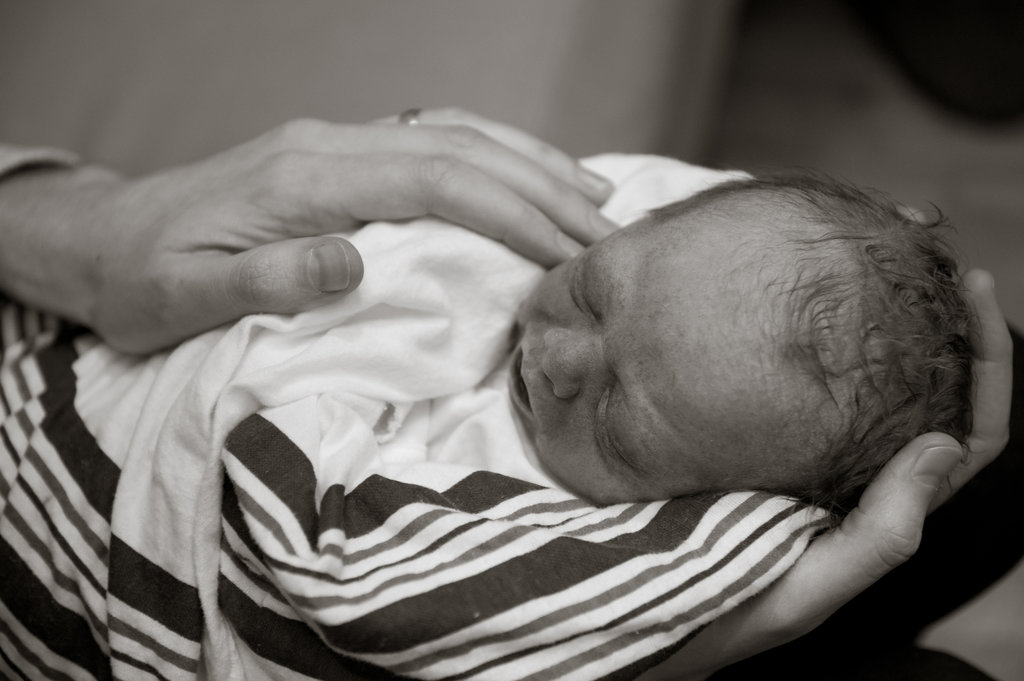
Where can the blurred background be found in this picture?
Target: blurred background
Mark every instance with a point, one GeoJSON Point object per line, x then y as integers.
{"type": "Point", "coordinates": [925, 104]}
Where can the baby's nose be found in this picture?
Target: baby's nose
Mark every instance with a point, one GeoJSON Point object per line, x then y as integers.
{"type": "Point", "coordinates": [568, 360]}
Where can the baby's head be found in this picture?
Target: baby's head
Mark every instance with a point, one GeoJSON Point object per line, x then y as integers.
{"type": "Point", "coordinates": [782, 334]}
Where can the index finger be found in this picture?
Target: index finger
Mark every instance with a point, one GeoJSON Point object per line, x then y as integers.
{"type": "Point", "coordinates": [352, 190]}
{"type": "Point", "coordinates": [993, 380]}
{"type": "Point", "coordinates": [563, 203]}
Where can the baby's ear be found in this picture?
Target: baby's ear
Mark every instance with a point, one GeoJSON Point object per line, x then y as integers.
{"type": "Point", "coordinates": [836, 355]}
{"type": "Point", "coordinates": [827, 341]}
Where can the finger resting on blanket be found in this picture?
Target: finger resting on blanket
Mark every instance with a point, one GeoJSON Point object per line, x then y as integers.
{"type": "Point", "coordinates": [553, 191]}
{"type": "Point", "coordinates": [595, 187]}
{"type": "Point", "coordinates": [500, 214]}
{"type": "Point", "coordinates": [548, 185]}
{"type": "Point", "coordinates": [398, 187]}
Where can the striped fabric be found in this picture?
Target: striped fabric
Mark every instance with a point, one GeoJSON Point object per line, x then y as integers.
{"type": "Point", "coordinates": [483, 577]}
{"type": "Point", "coordinates": [75, 602]}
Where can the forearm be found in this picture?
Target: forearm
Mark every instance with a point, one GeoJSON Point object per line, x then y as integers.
{"type": "Point", "coordinates": [47, 258]}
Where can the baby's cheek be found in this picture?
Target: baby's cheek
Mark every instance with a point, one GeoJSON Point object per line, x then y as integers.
{"type": "Point", "coordinates": [548, 455]}
{"type": "Point", "coordinates": [582, 472]}
{"type": "Point", "coordinates": [561, 462]}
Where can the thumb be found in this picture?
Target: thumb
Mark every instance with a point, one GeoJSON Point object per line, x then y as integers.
{"type": "Point", "coordinates": [286, 276]}
{"type": "Point", "coordinates": [889, 519]}
{"type": "Point", "coordinates": [881, 533]}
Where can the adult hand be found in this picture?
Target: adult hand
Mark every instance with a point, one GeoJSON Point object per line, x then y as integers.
{"type": "Point", "coordinates": [885, 528]}
{"type": "Point", "coordinates": [150, 261]}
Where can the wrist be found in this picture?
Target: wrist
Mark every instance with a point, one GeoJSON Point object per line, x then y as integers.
{"type": "Point", "coordinates": [48, 255]}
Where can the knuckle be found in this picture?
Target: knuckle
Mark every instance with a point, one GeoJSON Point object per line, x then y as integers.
{"type": "Point", "coordinates": [564, 167]}
{"type": "Point", "coordinates": [546, 153]}
{"type": "Point", "coordinates": [987, 446]}
{"type": "Point", "coordinates": [450, 113]}
{"type": "Point", "coordinates": [897, 547]}
{"type": "Point", "coordinates": [531, 228]}
{"type": "Point", "coordinates": [464, 137]}
{"type": "Point", "coordinates": [435, 174]}
{"type": "Point", "coordinates": [300, 132]}
{"type": "Point", "coordinates": [255, 283]}
{"type": "Point", "coordinates": [286, 172]}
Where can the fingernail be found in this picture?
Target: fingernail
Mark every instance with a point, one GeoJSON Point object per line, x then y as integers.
{"type": "Point", "coordinates": [601, 186]}
{"type": "Point", "coordinates": [569, 246]}
{"type": "Point", "coordinates": [328, 267]}
{"type": "Point", "coordinates": [935, 463]}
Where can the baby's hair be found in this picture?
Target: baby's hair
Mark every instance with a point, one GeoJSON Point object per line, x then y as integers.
{"type": "Point", "coordinates": [877, 313]}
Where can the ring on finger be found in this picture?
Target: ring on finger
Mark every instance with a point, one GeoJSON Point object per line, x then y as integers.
{"type": "Point", "coordinates": [410, 117]}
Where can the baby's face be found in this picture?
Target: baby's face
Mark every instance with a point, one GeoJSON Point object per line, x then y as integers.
{"type": "Point", "coordinates": [646, 367]}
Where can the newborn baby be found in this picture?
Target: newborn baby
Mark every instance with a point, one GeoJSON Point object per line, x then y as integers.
{"type": "Point", "coordinates": [781, 334]}
{"type": "Point", "coordinates": [785, 335]}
